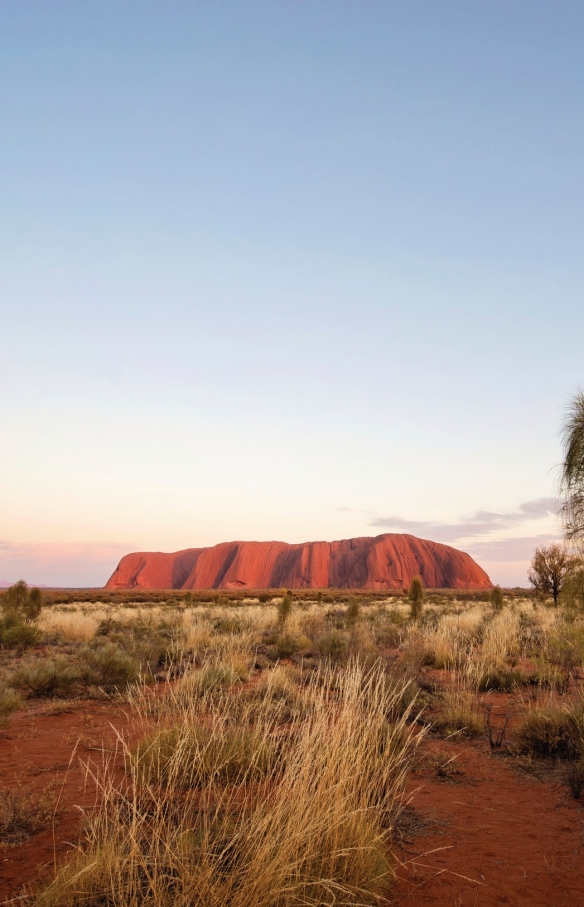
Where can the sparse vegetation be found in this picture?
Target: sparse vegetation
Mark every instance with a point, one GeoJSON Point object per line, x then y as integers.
{"type": "Point", "coordinates": [10, 702]}
{"type": "Point", "coordinates": [416, 597]}
{"type": "Point", "coordinates": [323, 826]}
{"type": "Point", "coordinates": [497, 598]}
{"type": "Point", "coordinates": [459, 714]}
{"type": "Point", "coordinates": [23, 812]}
{"type": "Point", "coordinates": [242, 717]}
{"type": "Point", "coordinates": [46, 677]}
{"type": "Point", "coordinates": [553, 730]}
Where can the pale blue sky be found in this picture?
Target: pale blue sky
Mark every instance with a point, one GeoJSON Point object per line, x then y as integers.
{"type": "Point", "coordinates": [290, 270]}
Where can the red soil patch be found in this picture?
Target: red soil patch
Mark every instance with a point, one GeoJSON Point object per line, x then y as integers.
{"type": "Point", "coordinates": [494, 834]}
{"type": "Point", "coordinates": [38, 750]}
{"type": "Point", "coordinates": [481, 833]}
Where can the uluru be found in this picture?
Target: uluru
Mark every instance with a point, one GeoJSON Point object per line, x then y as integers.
{"type": "Point", "coordinates": [387, 561]}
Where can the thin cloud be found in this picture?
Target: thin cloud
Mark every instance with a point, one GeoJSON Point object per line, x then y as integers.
{"type": "Point", "coordinates": [509, 550]}
{"type": "Point", "coordinates": [483, 522]}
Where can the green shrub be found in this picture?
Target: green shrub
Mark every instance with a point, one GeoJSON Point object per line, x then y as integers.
{"type": "Point", "coordinates": [109, 667]}
{"type": "Point", "coordinates": [10, 702]}
{"type": "Point", "coordinates": [284, 609]}
{"type": "Point", "coordinates": [287, 645]}
{"type": "Point", "coordinates": [46, 677]}
{"type": "Point", "coordinates": [26, 603]}
{"type": "Point", "coordinates": [212, 678]}
{"type": "Point", "coordinates": [497, 598]}
{"type": "Point", "coordinates": [553, 731]}
{"type": "Point", "coordinates": [227, 625]}
{"type": "Point", "coordinates": [21, 636]}
{"type": "Point", "coordinates": [416, 597]}
{"type": "Point", "coordinates": [501, 679]}
{"type": "Point", "coordinates": [333, 645]}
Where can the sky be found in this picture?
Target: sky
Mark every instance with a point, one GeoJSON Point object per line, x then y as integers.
{"type": "Point", "coordinates": [297, 270]}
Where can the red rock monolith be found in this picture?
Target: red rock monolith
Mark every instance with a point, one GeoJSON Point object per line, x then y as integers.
{"type": "Point", "coordinates": [387, 561]}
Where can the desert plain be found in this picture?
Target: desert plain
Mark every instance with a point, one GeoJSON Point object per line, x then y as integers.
{"type": "Point", "coordinates": [287, 748]}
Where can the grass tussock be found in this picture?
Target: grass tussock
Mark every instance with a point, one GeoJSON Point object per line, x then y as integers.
{"type": "Point", "coordinates": [310, 828]}
{"type": "Point", "coordinates": [23, 812]}
{"type": "Point", "coordinates": [46, 677]}
{"type": "Point", "coordinates": [10, 701]}
{"type": "Point", "coordinates": [219, 754]}
{"type": "Point", "coordinates": [459, 714]}
{"type": "Point", "coordinates": [553, 730]}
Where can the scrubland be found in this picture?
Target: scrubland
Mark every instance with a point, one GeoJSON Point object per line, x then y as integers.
{"type": "Point", "coordinates": [266, 753]}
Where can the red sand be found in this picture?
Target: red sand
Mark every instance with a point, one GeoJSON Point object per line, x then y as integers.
{"type": "Point", "coordinates": [493, 836]}
{"type": "Point", "coordinates": [40, 750]}
{"type": "Point", "coordinates": [387, 561]}
{"type": "Point", "coordinates": [497, 837]}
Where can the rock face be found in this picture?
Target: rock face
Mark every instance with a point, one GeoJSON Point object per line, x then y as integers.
{"type": "Point", "coordinates": [387, 561]}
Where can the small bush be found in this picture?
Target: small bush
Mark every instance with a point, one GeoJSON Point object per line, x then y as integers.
{"type": "Point", "coordinates": [333, 645]}
{"type": "Point", "coordinates": [353, 613]}
{"type": "Point", "coordinates": [10, 702]}
{"type": "Point", "coordinates": [46, 677]}
{"type": "Point", "coordinates": [416, 597]}
{"type": "Point", "coordinates": [26, 603]}
{"type": "Point", "coordinates": [227, 625]}
{"type": "Point", "coordinates": [21, 636]}
{"type": "Point", "coordinates": [23, 812]}
{"type": "Point", "coordinates": [459, 714]}
{"type": "Point", "coordinates": [287, 645]}
{"type": "Point", "coordinates": [211, 679]}
{"type": "Point", "coordinates": [550, 677]}
{"type": "Point", "coordinates": [497, 598]}
{"type": "Point", "coordinates": [499, 678]}
{"type": "Point", "coordinates": [284, 609]}
{"type": "Point", "coordinates": [553, 731]}
{"type": "Point", "coordinates": [109, 666]}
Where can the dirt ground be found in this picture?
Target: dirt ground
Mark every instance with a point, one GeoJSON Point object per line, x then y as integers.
{"type": "Point", "coordinates": [47, 748]}
{"type": "Point", "coordinates": [479, 830]}
{"type": "Point", "coordinates": [485, 829]}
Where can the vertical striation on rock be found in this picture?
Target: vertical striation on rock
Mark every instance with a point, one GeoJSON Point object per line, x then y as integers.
{"type": "Point", "coordinates": [387, 561]}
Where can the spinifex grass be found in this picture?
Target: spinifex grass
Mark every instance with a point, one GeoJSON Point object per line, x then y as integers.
{"type": "Point", "coordinates": [313, 830]}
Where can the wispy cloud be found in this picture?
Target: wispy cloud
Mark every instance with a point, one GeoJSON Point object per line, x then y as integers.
{"type": "Point", "coordinates": [481, 523]}
{"type": "Point", "coordinates": [511, 550]}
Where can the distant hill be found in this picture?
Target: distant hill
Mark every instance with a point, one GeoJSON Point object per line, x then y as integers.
{"type": "Point", "coordinates": [387, 561]}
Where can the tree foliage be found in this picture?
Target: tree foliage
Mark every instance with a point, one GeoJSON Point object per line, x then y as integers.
{"type": "Point", "coordinates": [22, 602]}
{"type": "Point", "coordinates": [549, 568]}
{"type": "Point", "coordinates": [572, 479]}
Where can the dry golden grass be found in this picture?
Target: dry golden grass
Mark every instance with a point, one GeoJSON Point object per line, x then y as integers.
{"type": "Point", "coordinates": [307, 824]}
{"type": "Point", "coordinates": [271, 766]}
